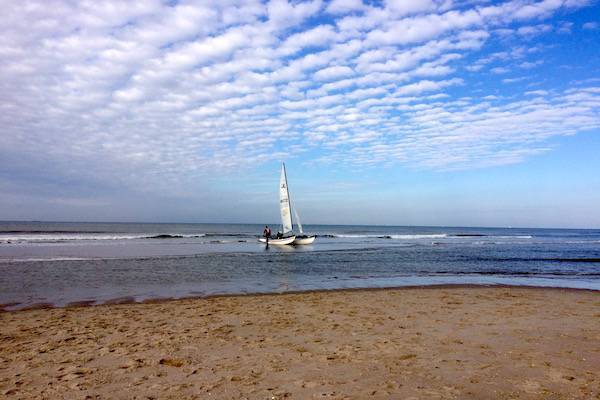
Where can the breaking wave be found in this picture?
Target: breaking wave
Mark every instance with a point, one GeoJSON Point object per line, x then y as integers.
{"type": "Point", "coordinates": [423, 236]}
{"type": "Point", "coordinates": [407, 237]}
{"type": "Point", "coordinates": [68, 237]}
{"type": "Point", "coordinates": [173, 236]}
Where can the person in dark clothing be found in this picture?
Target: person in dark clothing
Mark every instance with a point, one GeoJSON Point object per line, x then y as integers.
{"type": "Point", "coordinates": [267, 231]}
{"type": "Point", "coordinates": [267, 234]}
{"type": "Point", "coordinates": [279, 235]}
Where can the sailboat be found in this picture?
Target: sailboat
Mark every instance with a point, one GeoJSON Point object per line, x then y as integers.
{"type": "Point", "coordinates": [285, 209]}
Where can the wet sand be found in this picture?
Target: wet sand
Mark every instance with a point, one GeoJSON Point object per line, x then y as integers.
{"type": "Point", "coordinates": [420, 343]}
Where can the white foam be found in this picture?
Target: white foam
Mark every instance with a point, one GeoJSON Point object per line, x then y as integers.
{"type": "Point", "coordinates": [64, 237]}
{"type": "Point", "coordinates": [356, 236]}
{"type": "Point", "coordinates": [513, 237]}
{"type": "Point", "coordinates": [432, 236]}
{"type": "Point", "coordinates": [34, 259]}
{"type": "Point", "coordinates": [385, 236]}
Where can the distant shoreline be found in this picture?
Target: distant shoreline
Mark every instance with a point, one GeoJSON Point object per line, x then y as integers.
{"type": "Point", "coordinates": [159, 300]}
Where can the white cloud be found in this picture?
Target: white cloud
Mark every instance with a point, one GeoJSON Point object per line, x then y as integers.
{"type": "Point", "coordinates": [474, 67]}
{"type": "Point", "coordinates": [536, 93]}
{"type": "Point", "coordinates": [534, 30]}
{"type": "Point", "coordinates": [420, 28]}
{"type": "Point", "coordinates": [592, 26]}
{"type": "Point", "coordinates": [345, 6]}
{"type": "Point", "coordinates": [565, 27]}
{"type": "Point", "coordinates": [401, 7]}
{"type": "Point", "coordinates": [514, 80]}
{"type": "Point", "coordinates": [545, 8]}
{"type": "Point", "coordinates": [499, 70]}
{"type": "Point", "coordinates": [333, 73]}
{"type": "Point", "coordinates": [319, 36]}
{"type": "Point", "coordinates": [283, 14]}
{"type": "Point", "coordinates": [426, 86]}
{"type": "Point", "coordinates": [531, 64]}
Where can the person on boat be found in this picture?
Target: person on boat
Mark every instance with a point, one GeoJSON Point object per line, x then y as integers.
{"type": "Point", "coordinates": [279, 235]}
{"type": "Point", "coordinates": [267, 232]}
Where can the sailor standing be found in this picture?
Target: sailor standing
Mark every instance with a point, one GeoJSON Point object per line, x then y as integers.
{"type": "Point", "coordinates": [267, 233]}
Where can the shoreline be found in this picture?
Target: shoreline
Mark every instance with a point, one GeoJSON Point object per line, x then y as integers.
{"type": "Point", "coordinates": [445, 342]}
{"type": "Point", "coordinates": [160, 300]}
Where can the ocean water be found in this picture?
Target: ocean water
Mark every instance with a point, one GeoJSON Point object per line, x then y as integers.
{"type": "Point", "coordinates": [61, 263]}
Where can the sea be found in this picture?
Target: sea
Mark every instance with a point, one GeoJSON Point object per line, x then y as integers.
{"type": "Point", "coordinates": [62, 263]}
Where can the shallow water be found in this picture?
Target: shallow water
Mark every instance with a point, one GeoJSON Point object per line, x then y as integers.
{"type": "Point", "coordinates": [59, 263]}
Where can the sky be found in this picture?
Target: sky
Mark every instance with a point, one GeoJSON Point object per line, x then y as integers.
{"type": "Point", "coordinates": [421, 112]}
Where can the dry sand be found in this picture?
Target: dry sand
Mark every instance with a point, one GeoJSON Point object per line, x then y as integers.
{"type": "Point", "coordinates": [450, 343]}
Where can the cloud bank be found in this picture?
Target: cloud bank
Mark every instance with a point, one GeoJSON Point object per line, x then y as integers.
{"type": "Point", "coordinates": [156, 94]}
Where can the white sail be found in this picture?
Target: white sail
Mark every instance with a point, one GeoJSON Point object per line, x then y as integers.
{"type": "Point", "coordinates": [298, 221]}
{"type": "Point", "coordinates": [284, 202]}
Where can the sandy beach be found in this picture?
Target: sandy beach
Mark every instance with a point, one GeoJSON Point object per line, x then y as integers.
{"type": "Point", "coordinates": [433, 343]}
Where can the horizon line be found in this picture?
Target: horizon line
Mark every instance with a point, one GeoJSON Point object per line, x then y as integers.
{"type": "Point", "coordinates": [304, 224]}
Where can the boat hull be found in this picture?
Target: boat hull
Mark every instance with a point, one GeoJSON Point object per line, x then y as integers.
{"type": "Point", "coordinates": [282, 241]}
{"type": "Point", "coordinates": [304, 240]}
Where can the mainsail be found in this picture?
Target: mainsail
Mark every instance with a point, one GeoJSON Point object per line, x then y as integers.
{"type": "Point", "coordinates": [284, 202]}
{"type": "Point", "coordinates": [298, 221]}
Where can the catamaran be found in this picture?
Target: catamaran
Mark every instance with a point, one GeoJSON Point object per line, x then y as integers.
{"type": "Point", "coordinates": [285, 209]}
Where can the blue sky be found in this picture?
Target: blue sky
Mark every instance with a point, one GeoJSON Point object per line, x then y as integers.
{"type": "Point", "coordinates": [425, 112]}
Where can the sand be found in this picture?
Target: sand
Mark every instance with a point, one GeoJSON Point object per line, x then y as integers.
{"type": "Point", "coordinates": [417, 343]}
